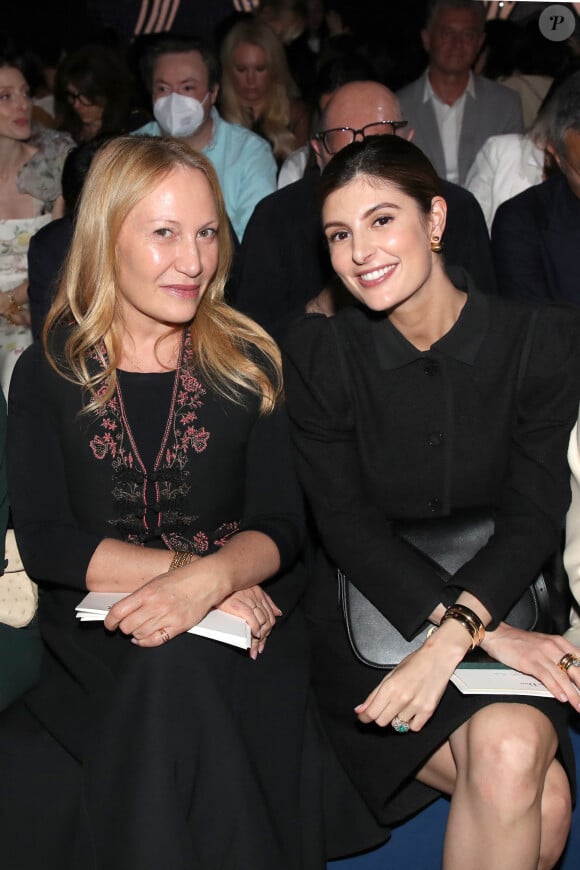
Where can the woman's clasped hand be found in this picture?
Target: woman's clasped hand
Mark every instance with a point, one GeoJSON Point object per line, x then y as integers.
{"type": "Point", "coordinates": [165, 607]}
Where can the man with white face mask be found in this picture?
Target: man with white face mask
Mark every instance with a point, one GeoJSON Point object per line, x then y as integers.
{"type": "Point", "coordinates": [182, 75]}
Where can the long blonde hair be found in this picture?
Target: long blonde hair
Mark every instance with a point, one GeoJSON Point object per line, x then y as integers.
{"type": "Point", "coordinates": [275, 119]}
{"type": "Point", "coordinates": [232, 352]}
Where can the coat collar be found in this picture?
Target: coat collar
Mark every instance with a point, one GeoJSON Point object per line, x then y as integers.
{"type": "Point", "coordinates": [461, 343]}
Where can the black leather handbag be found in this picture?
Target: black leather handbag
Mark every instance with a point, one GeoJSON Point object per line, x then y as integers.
{"type": "Point", "coordinates": [447, 543]}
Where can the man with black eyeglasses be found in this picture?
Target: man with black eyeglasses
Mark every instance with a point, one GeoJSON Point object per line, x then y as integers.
{"type": "Point", "coordinates": [284, 267]}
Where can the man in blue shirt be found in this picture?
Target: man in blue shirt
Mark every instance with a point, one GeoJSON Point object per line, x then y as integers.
{"type": "Point", "coordinates": [182, 74]}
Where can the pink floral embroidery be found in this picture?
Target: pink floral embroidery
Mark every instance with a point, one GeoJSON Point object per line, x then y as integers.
{"type": "Point", "coordinates": [188, 400]}
{"type": "Point", "coordinates": [200, 543]}
{"type": "Point", "coordinates": [186, 435]}
{"type": "Point", "coordinates": [183, 438]}
{"type": "Point", "coordinates": [102, 446]}
{"type": "Point", "coordinates": [226, 530]}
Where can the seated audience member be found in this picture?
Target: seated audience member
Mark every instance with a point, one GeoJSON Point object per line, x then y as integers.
{"type": "Point", "coordinates": [93, 92]}
{"type": "Point", "coordinates": [31, 160]}
{"type": "Point", "coordinates": [349, 66]}
{"type": "Point", "coordinates": [295, 165]}
{"type": "Point", "coordinates": [257, 90]}
{"type": "Point", "coordinates": [284, 263]}
{"type": "Point", "coordinates": [182, 75]}
{"type": "Point", "coordinates": [148, 454]}
{"type": "Point", "coordinates": [495, 58]}
{"type": "Point", "coordinates": [316, 31]}
{"type": "Point", "coordinates": [572, 545]}
{"type": "Point", "coordinates": [33, 62]}
{"type": "Point", "coordinates": [508, 164]}
{"type": "Point", "coordinates": [48, 247]}
{"type": "Point", "coordinates": [518, 55]}
{"type": "Point", "coordinates": [535, 234]}
{"type": "Point", "coordinates": [43, 111]}
{"type": "Point", "coordinates": [452, 110]}
{"type": "Point", "coordinates": [361, 408]}
{"type": "Point", "coordinates": [288, 20]}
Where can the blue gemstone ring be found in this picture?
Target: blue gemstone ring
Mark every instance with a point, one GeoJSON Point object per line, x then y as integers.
{"type": "Point", "coordinates": [400, 726]}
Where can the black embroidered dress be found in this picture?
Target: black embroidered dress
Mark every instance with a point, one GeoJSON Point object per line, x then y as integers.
{"type": "Point", "coordinates": [192, 754]}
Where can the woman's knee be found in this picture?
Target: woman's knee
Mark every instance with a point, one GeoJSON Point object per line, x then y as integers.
{"type": "Point", "coordinates": [507, 751]}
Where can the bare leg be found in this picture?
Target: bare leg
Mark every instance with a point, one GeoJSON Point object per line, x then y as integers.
{"type": "Point", "coordinates": [510, 802]}
{"type": "Point", "coordinates": [556, 816]}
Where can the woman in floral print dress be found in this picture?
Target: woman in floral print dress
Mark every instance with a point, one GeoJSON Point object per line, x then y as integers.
{"type": "Point", "coordinates": [31, 162]}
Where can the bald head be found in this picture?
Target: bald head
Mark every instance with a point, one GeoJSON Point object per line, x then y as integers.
{"type": "Point", "coordinates": [355, 105]}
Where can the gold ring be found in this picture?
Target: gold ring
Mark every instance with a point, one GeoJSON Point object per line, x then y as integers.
{"type": "Point", "coordinates": [568, 661]}
{"type": "Point", "coordinates": [164, 634]}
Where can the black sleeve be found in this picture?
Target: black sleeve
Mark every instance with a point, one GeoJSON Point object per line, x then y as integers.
{"type": "Point", "coordinates": [356, 535]}
{"type": "Point", "coordinates": [53, 548]}
{"type": "Point", "coordinates": [466, 239]}
{"type": "Point", "coordinates": [517, 254]}
{"type": "Point", "coordinates": [531, 513]}
{"type": "Point", "coordinates": [264, 288]}
{"type": "Point", "coordinates": [273, 498]}
{"type": "Point", "coordinates": [283, 260]}
{"type": "Point", "coordinates": [233, 277]}
{"type": "Point", "coordinates": [46, 253]}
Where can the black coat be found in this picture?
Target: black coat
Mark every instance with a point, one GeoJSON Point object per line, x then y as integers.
{"type": "Point", "coordinates": [397, 433]}
{"type": "Point", "coordinates": [535, 238]}
{"type": "Point", "coordinates": [46, 252]}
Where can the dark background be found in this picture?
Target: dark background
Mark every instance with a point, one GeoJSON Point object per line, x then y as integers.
{"type": "Point", "coordinates": [390, 28]}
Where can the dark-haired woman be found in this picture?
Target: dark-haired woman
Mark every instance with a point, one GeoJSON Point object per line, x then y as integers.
{"type": "Point", "coordinates": [406, 405]}
{"type": "Point", "coordinates": [31, 162]}
{"type": "Point", "coordinates": [93, 92]}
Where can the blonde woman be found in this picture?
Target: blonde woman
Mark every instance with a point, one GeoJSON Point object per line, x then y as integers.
{"type": "Point", "coordinates": [148, 455]}
{"type": "Point", "coordinates": [257, 90]}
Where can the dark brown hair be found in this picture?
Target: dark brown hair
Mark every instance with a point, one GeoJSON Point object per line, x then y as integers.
{"type": "Point", "coordinates": [101, 74]}
{"type": "Point", "coordinates": [384, 158]}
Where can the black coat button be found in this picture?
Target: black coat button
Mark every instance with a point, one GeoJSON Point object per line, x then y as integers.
{"type": "Point", "coordinates": [435, 439]}
{"type": "Point", "coordinates": [431, 367]}
{"type": "Point", "coordinates": [434, 505]}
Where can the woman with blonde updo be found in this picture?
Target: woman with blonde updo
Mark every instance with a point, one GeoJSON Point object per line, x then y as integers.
{"type": "Point", "coordinates": [258, 91]}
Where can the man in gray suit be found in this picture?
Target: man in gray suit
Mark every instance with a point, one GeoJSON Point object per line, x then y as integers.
{"type": "Point", "coordinates": [452, 110]}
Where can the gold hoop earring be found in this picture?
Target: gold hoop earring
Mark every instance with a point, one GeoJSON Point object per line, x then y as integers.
{"type": "Point", "coordinates": [436, 244]}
